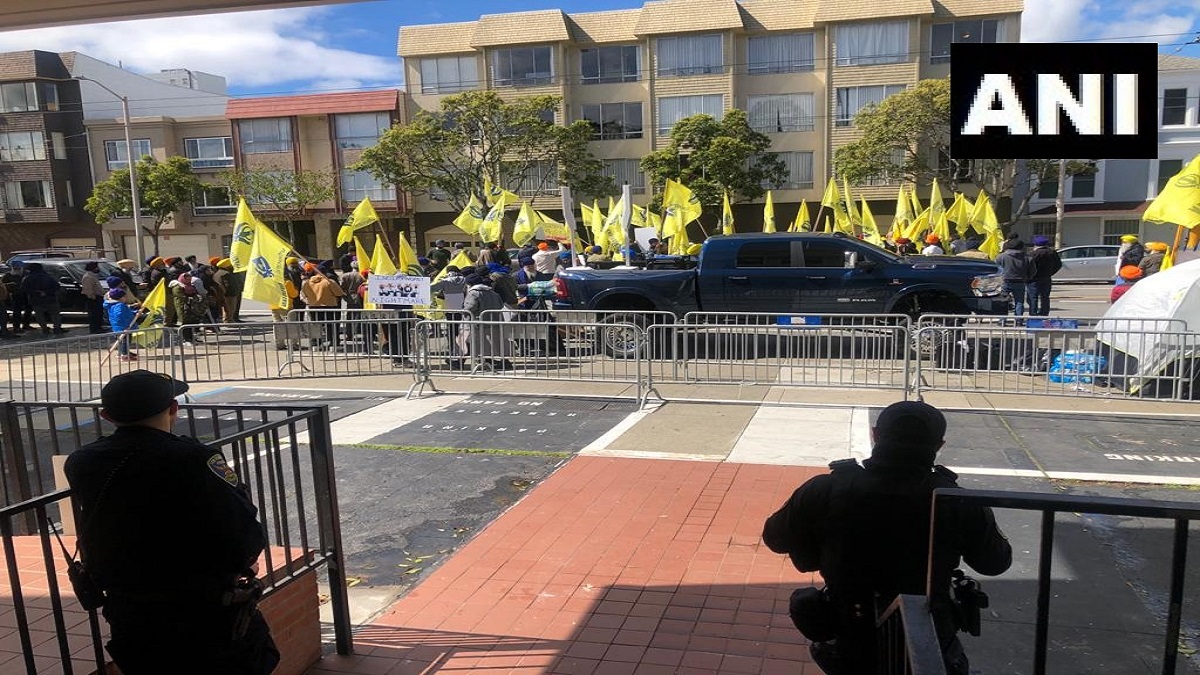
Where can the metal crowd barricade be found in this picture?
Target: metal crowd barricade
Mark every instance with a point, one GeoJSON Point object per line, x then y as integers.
{"type": "Point", "coordinates": [825, 350]}
{"type": "Point", "coordinates": [75, 368]}
{"type": "Point", "coordinates": [527, 350]}
{"type": "Point", "coordinates": [283, 453]}
{"type": "Point", "coordinates": [1035, 357]}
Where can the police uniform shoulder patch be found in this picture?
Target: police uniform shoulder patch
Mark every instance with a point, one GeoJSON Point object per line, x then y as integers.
{"type": "Point", "coordinates": [217, 465]}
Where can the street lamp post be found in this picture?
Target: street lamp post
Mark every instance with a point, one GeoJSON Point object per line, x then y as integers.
{"type": "Point", "coordinates": [133, 183]}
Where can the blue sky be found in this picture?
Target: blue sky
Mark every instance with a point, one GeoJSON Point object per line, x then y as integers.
{"type": "Point", "coordinates": [353, 45]}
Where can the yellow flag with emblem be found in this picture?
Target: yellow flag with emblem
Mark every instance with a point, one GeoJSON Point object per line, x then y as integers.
{"type": "Point", "coordinates": [460, 260]}
{"type": "Point", "coordinates": [526, 225]}
{"type": "Point", "coordinates": [1179, 201]}
{"type": "Point", "coordinates": [594, 220]}
{"type": "Point", "coordinates": [903, 215]}
{"type": "Point", "coordinates": [851, 210]}
{"type": "Point", "coordinates": [381, 262]}
{"type": "Point", "coordinates": [983, 217]}
{"type": "Point", "coordinates": [362, 216]}
{"type": "Point", "coordinates": [265, 280]}
{"type": "Point", "coordinates": [491, 227]}
{"type": "Point", "coordinates": [614, 225]}
{"type": "Point", "coordinates": [149, 329]}
{"type": "Point", "coordinates": [769, 214]}
{"type": "Point", "coordinates": [471, 217]}
{"type": "Point", "coordinates": [551, 228]}
{"type": "Point", "coordinates": [680, 207]}
{"type": "Point", "coordinates": [832, 201]}
{"type": "Point", "coordinates": [803, 222]}
{"type": "Point", "coordinates": [492, 193]}
{"type": "Point", "coordinates": [870, 229]}
{"type": "Point", "coordinates": [364, 260]}
{"type": "Point", "coordinates": [408, 263]}
{"type": "Point", "coordinates": [244, 227]}
{"type": "Point", "coordinates": [726, 215]}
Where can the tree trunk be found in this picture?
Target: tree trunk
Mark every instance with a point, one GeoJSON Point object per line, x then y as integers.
{"type": "Point", "coordinates": [1060, 203]}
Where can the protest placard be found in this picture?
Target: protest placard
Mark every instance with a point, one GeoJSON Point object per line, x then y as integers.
{"type": "Point", "coordinates": [397, 289]}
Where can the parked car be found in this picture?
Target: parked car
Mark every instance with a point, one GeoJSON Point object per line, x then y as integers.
{"type": "Point", "coordinates": [1088, 263]}
{"type": "Point", "coordinates": [69, 273]}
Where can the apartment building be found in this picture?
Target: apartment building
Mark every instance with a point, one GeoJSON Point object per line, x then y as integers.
{"type": "Point", "coordinates": [321, 132]}
{"type": "Point", "coordinates": [1099, 208]}
{"type": "Point", "coordinates": [800, 68]}
{"type": "Point", "coordinates": [44, 173]}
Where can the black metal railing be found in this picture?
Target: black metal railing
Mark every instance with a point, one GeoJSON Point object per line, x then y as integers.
{"type": "Point", "coordinates": [907, 640]}
{"type": "Point", "coordinates": [1181, 514]}
{"type": "Point", "coordinates": [284, 453]}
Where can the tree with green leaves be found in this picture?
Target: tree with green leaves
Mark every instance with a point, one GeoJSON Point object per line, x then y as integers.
{"type": "Point", "coordinates": [163, 189]}
{"type": "Point", "coordinates": [907, 137]}
{"type": "Point", "coordinates": [288, 193]}
{"type": "Point", "coordinates": [476, 135]}
{"type": "Point", "coordinates": [711, 156]}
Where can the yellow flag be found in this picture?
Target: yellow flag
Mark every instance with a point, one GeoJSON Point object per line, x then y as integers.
{"type": "Point", "coordinates": [552, 229]}
{"type": "Point", "coordinates": [471, 217]}
{"type": "Point", "coordinates": [381, 262]}
{"type": "Point", "coordinates": [802, 223]}
{"type": "Point", "coordinates": [726, 216]}
{"type": "Point", "coordinates": [916, 202]}
{"type": "Point", "coordinates": [614, 227]}
{"type": "Point", "coordinates": [265, 280]}
{"type": "Point", "coordinates": [983, 217]}
{"type": "Point", "coordinates": [526, 225]}
{"type": "Point", "coordinates": [960, 213]}
{"type": "Point", "coordinates": [869, 229]}
{"type": "Point", "coordinates": [903, 216]}
{"type": "Point", "coordinates": [408, 263]}
{"type": "Point", "coordinates": [833, 201]}
{"type": "Point", "coordinates": [637, 215]}
{"type": "Point", "coordinates": [942, 229]}
{"type": "Point", "coordinates": [594, 221]}
{"type": "Point", "coordinates": [493, 192]}
{"type": "Point", "coordinates": [654, 220]}
{"type": "Point", "coordinates": [1168, 260]}
{"type": "Point", "coordinates": [992, 243]}
{"type": "Point", "coordinates": [244, 227]}
{"type": "Point", "coordinates": [769, 214]}
{"type": "Point", "coordinates": [460, 260]}
{"type": "Point", "coordinates": [490, 229]}
{"type": "Point", "coordinates": [680, 207]}
{"type": "Point", "coordinates": [362, 216]}
{"type": "Point", "coordinates": [851, 210]}
{"type": "Point", "coordinates": [1179, 201]}
{"type": "Point", "coordinates": [364, 260]}
{"type": "Point", "coordinates": [918, 227]}
{"type": "Point", "coordinates": [149, 329]}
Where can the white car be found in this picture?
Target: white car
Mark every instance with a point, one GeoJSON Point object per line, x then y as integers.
{"type": "Point", "coordinates": [1088, 263]}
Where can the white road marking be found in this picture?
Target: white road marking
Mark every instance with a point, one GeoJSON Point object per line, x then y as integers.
{"type": "Point", "coordinates": [816, 436]}
{"type": "Point", "coordinates": [600, 445]}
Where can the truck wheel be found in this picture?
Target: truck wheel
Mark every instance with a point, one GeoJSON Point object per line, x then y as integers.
{"type": "Point", "coordinates": [926, 343]}
{"type": "Point", "coordinates": [623, 342]}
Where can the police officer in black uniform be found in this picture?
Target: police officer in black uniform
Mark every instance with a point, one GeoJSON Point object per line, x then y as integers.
{"type": "Point", "coordinates": [168, 532]}
{"type": "Point", "coordinates": [866, 529]}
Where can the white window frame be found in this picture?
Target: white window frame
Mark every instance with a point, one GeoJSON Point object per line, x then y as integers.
{"type": "Point", "coordinates": [755, 65]}
{"type": "Point", "coordinates": [192, 150]}
{"type": "Point", "coordinates": [201, 207]}
{"type": "Point", "coordinates": [598, 132]}
{"type": "Point", "coordinates": [1070, 189]}
{"type": "Point", "coordinates": [600, 77]}
{"type": "Point", "coordinates": [1187, 112]}
{"type": "Point", "coordinates": [1159, 179]}
{"type": "Point", "coordinates": [30, 93]}
{"type": "Point", "coordinates": [14, 195]}
{"type": "Point", "coordinates": [698, 104]}
{"type": "Point", "coordinates": [434, 70]}
{"type": "Point", "coordinates": [683, 55]}
{"type": "Point", "coordinates": [114, 152]}
{"type": "Point", "coordinates": [31, 143]}
{"type": "Point", "coordinates": [844, 113]}
{"type": "Point", "coordinates": [537, 174]}
{"type": "Point", "coordinates": [358, 184]}
{"type": "Point", "coordinates": [1111, 236]}
{"type": "Point", "coordinates": [365, 134]}
{"type": "Point", "coordinates": [534, 78]}
{"type": "Point", "coordinates": [282, 142]}
{"type": "Point", "coordinates": [622, 170]}
{"type": "Point", "coordinates": [999, 35]}
{"type": "Point", "coordinates": [796, 104]}
{"type": "Point", "coordinates": [796, 161]}
{"type": "Point", "coordinates": [848, 53]}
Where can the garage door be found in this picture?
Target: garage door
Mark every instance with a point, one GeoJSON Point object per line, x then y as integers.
{"type": "Point", "coordinates": [181, 245]}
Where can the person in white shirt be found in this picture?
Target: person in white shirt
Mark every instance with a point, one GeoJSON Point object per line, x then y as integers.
{"type": "Point", "coordinates": [933, 246]}
{"type": "Point", "coordinates": [545, 259]}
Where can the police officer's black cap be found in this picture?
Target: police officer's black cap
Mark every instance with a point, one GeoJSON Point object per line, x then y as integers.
{"type": "Point", "coordinates": [909, 428]}
{"type": "Point", "coordinates": [138, 395]}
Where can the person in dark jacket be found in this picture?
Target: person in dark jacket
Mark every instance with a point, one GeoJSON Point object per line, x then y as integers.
{"type": "Point", "coordinates": [866, 530]}
{"type": "Point", "coordinates": [1152, 261]}
{"type": "Point", "coordinates": [167, 530]}
{"type": "Point", "coordinates": [1046, 263]}
{"type": "Point", "coordinates": [18, 303]}
{"type": "Point", "coordinates": [1018, 269]}
{"type": "Point", "coordinates": [42, 291]}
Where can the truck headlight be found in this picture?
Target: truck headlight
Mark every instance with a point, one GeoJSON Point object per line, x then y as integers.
{"type": "Point", "coordinates": [988, 284]}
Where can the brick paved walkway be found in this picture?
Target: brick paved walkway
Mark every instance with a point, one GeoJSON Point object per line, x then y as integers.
{"type": "Point", "coordinates": [611, 565]}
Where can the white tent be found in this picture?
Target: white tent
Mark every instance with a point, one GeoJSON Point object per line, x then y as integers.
{"type": "Point", "coordinates": [1155, 322]}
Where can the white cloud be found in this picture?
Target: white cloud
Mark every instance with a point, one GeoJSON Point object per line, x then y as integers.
{"type": "Point", "coordinates": [1053, 20]}
{"type": "Point", "coordinates": [251, 49]}
{"type": "Point", "coordinates": [1116, 20]}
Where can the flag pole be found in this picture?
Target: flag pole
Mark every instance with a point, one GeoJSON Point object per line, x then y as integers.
{"type": "Point", "coordinates": [568, 207]}
{"type": "Point", "coordinates": [817, 219]}
{"type": "Point", "coordinates": [123, 334]}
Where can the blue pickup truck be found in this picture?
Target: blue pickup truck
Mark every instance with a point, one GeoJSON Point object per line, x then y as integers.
{"type": "Point", "coordinates": [787, 274]}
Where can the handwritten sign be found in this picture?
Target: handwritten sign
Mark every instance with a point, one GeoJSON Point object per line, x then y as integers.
{"type": "Point", "coordinates": [397, 289]}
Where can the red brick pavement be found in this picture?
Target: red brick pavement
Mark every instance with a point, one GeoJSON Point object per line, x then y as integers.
{"type": "Point", "coordinates": [611, 565]}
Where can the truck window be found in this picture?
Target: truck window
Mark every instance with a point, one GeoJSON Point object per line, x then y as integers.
{"type": "Point", "coordinates": [824, 254]}
{"type": "Point", "coordinates": [765, 254]}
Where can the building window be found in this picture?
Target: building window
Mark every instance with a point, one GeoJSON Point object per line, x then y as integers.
{"type": "Point", "coordinates": [1048, 189]}
{"type": "Point", "coordinates": [522, 67]}
{"type": "Point", "coordinates": [692, 55]}
{"type": "Point", "coordinates": [273, 134]}
{"type": "Point", "coordinates": [895, 175]}
{"type": "Point", "coordinates": [59, 142]}
{"type": "Point", "coordinates": [780, 113]}
{"type": "Point", "coordinates": [800, 170]}
{"type": "Point", "coordinates": [624, 171]}
{"type": "Point", "coordinates": [18, 97]}
{"type": "Point", "coordinates": [209, 153]}
{"type": "Point", "coordinates": [608, 65]}
{"type": "Point", "coordinates": [671, 109]}
{"type": "Point", "coordinates": [359, 184]}
{"type": "Point", "coordinates": [361, 130]}
{"type": "Point", "coordinates": [1174, 111]}
{"type": "Point", "coordinates": [539, 178]}
{"type": "Point", "coordinates": [868, 44]}
{"type": "Point", "coordinates": [612, 121]}
{"type": "Point", "coordinates": [114, 152]}
{"type": "Point", "coordinates": [28, 194]}
{"type": "Point", "coordinates": [770, 54]}
{"type": "Point", "coordinates": [22, 146]}
{"type": "Point", "coordinates": [1043, 228]}
{"type": "Point", "coordinates": [973, 31]}
{"type": "Point", "coordinates": [1115, 229]}
{"type": "Point", "coordinates": [1167, 168]}
{"type": "Point", "coordinates": [213, 200]}
{"type": "Point", "coordinates": [1083, 186]}
{"type": "Point", "coordinates": [449, 74]}
{"type": "Point", "coordinates": [850, 100]}
{"type": "Point", "coordinates": [49, 96]}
